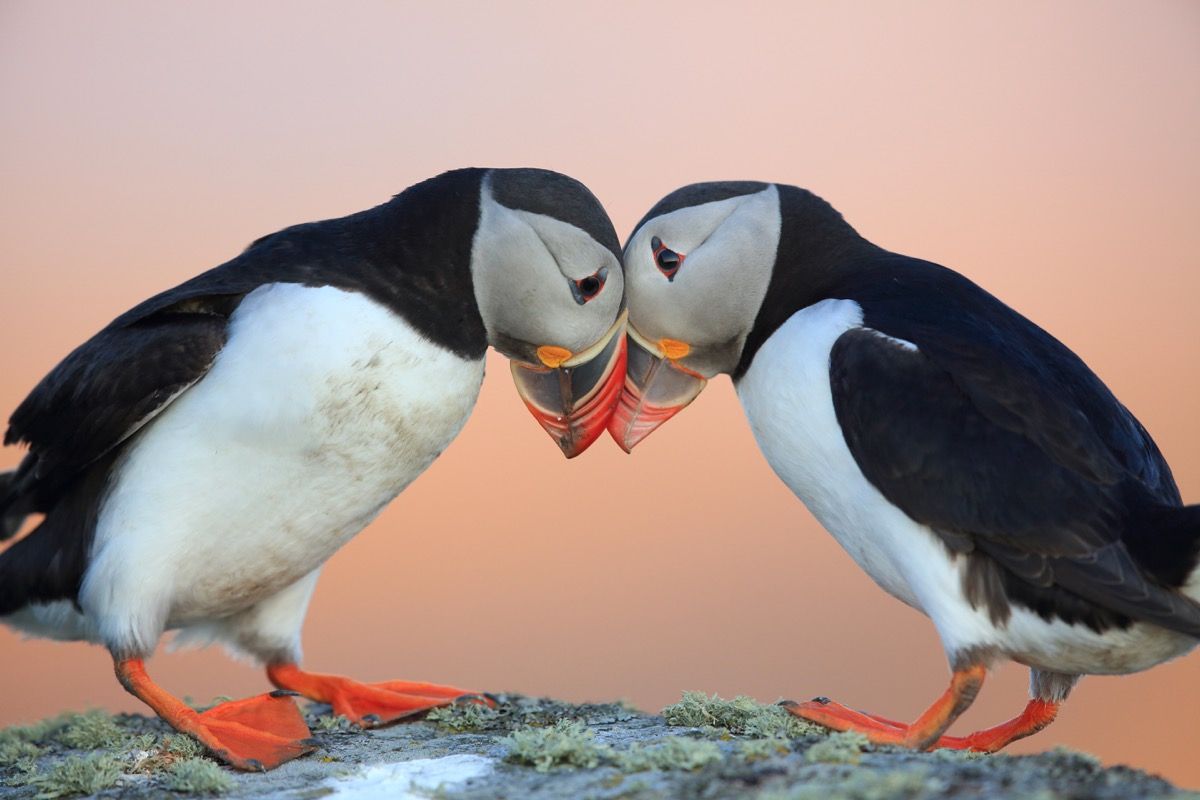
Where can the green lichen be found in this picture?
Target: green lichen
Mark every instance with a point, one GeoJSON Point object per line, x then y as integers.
{"type": "Point", "coordinates": [76, 775]}
{"type": "Point", "coordinates": [15, 751]}
{"type": "Point", "coordinates": [669, 753]}
{"type": "Point", "coordinates": [862, 785]}
{"type": "Point", "coordinates": [759, 749]}
{"type": "Point", "coordinates": [182, 745]}
{"type": "Point", "coordinates": [461, 717]}
{"type": "Point", "coordinates": [946, 754]}
{"type": "Point", "coordinates": [566, 744]}
{"type": "Point", "coordinates": [334, 723]}
{"type": "Point", "coordinates": [92, 730]}
{"type": "Point", "coordinates": [198, 776]}
{"type": "Point", "coordinates": [741, 716]}
{"type": "Point", "coordinates": [838, 748]}
{"type": "Point", "coordinates": [39, 732]}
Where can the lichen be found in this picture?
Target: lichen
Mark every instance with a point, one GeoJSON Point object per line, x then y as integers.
{"type": "Point", "coordinates": [741, 716]}
{"type": "Point", "coordinates": [91, 730]}
{"type": "Point", "coordinates": [76, 775]}
{"type": "Point", "coordinates": [182, 745]}
{"type": "Point", "coordinates": [759, 749]}
{"type": "Point", "coordinates": [198, 776]}
{"type": "Point", "coordinates": [461, 717]}
{"type": "Point", "coordinates": [566, 744]}
{"type": "Point", "coordinates": [838, 748]}
{"type": "Point", "coordinates": [334, 723]}
{"type": "Point", "coordinates": [42, 732]}
{"type": "Point", "coordinates": [668, 753]}
{"type": "Point", "coordinates": [14, 751]}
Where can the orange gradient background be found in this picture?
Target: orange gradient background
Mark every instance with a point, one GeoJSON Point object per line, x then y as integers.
{"type": "Point", "coordinates": [1048, 151]}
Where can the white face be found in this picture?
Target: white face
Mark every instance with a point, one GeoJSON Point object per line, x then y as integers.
{"type": "Point", "coordinates": [728, 250]}
{"type": "Point", "coordinates": [531, 271]}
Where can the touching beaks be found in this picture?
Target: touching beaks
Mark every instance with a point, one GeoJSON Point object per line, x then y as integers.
{"type": "Point", "coordinates": [657, 388]}
{"type": "Point", "coordinates": [572, 395]}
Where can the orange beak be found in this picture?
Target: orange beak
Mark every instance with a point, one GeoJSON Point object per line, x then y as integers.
{"type": "Point", "coordinates": [657, 388]}
{"type": "Point", "coordinates": [573, 395]}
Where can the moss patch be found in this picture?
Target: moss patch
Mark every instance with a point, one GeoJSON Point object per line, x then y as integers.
{"type": "Point", "coordinates": [741, 716]}
{"type": "Point", "coordinates": [566, 744]}
{"type": "Point", "coordinates": [334, 723]}
{"type": "Point", "coordinates": [461, 717]}
{"type": "Point", "coordinates": [839, 748]}
{"type": "Point", "coordinates": [92, 730]}
{"type": "Point", "coordinates": [669, 753]}
{"type": "Point", "coordinates": [15, 751]}
{"type": "Point", "coordinates": [198, 776]}
{"type": "Point", "coordinates": [759, 749]}
{"type": "Point", "coordinates": [41, 756]}
{"type": "Point", "coordinates": [77, 775]}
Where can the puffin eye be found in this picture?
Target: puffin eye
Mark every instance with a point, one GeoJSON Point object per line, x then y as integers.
{"type": "Point", "coordinates": [585, 289]}
{"type": "Point", "coordinates": [667, 260]}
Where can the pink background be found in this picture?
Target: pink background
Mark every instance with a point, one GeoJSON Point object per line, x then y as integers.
{"type": "Point", "coordinates": [1048, 151]}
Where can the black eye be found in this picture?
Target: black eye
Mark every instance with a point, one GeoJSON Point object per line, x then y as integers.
{"type": "Point", "coordinates": [668, 260]}
{"type": "Point", "coordinates": [585, 289]}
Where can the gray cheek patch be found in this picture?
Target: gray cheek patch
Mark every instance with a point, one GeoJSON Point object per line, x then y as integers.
{"type": "Point", "coordinates": [711, 299]}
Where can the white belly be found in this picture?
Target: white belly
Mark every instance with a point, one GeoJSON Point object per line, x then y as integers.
{"type": "Point", "coordinates": [321, 408]}
{"type": "Point", "coordinates": [788, 401]}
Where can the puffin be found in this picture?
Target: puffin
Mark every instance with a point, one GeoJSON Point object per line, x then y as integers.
{"type": "Point", "coordinates": [967, 460]}
{"type": "Point", "coordinates": [197, 461]}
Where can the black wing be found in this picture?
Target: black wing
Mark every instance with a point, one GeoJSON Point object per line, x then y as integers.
{"type": "Point", "coordinates": [75, 422]}
{"type": "Point", "coordinates": [964, 436]}
{"type": "Point", "coordinates": [109, 387]}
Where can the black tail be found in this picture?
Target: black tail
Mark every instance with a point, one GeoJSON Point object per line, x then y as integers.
{"type": "Point", "coordinates": [1164, 540]}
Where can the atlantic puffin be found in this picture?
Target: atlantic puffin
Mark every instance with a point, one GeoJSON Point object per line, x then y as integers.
{"type": "Point", "coordinates": [967, 460]}
{"type": "Point", "coordinates": [200, 458]}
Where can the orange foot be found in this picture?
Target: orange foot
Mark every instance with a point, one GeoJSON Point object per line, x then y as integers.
{"type": "Point", "coordinates": [369, 705]}
{"type": "Point", "coordinates": [927, 731]}
{"type": "Point", "coordinates": [258, 733]}
{"type": "Point", "coordinates": [920, 735]}
{"type": "Point", "coordinates": [1037, 715]}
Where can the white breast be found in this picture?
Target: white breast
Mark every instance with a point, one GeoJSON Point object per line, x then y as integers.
{"type": "Point", "coordinates": [787, 398]}
{"type": "Point", "coordinates": [320, 409]}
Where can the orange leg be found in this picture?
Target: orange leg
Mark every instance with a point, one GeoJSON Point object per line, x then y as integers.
{"type": "Point", "coordinates": [258, 733]}
{"type": "Point", "coordinates": [920, 735]}
{"type": "Point", "coordinates": [1037, 715]}
{"type": "Point", "coordinates": [368, 705]}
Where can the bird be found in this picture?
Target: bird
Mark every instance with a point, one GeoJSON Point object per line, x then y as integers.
{"type": "Point", "coordinates": [967, 460]}
{"type": "Point", "coordinates": [198, 460]}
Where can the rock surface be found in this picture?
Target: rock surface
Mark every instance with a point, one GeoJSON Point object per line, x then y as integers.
{"type": "Point", "coordinates": [533, 748]}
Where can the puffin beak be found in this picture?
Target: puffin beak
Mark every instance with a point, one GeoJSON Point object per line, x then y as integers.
{"type": "Point", "coordinates": [572, 395]}
{"type": "Point", "coordinates": [657, 387]}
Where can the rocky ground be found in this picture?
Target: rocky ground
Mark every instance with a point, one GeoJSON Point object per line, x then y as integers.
{"type": "Point", "coordinates": [699, 748]}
